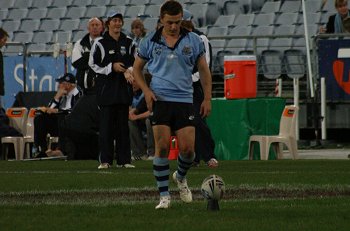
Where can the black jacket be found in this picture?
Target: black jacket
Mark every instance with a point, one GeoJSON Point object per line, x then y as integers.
{"type": "Point", "coordinates": [330, 24]}
{"type": "Point", "coordinates": [111, 86]}
{"type": "Point", "coordinates": [80, 60]}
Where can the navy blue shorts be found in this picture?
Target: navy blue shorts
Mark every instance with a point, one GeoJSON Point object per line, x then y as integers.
{"type": "Point", "coordinates": [173, 114]}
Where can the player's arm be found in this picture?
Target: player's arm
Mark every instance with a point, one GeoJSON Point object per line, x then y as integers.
{"type": "Point", "coordinates": [140, 80]}
{"type": "Point", "coordinates": [205, 78]}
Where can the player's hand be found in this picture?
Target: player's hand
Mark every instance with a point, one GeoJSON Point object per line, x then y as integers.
{"type": "Point", "coordinates": [149, 97]}
{"type": "Point", "coordinates": [118, 67]}
{"type": "Point", "coordinates": [205, 108]}
{"type": "Point", "coordinates": [129, 76]}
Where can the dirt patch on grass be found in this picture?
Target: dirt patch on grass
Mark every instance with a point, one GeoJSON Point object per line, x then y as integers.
{"type": "Point", "coordinates": [107, 197]}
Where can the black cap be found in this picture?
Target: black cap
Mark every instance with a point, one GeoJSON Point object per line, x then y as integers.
{"type": "Point", "coordinates": [68, 77]}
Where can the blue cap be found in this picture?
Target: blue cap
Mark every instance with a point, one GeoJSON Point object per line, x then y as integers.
{"type": "Point", "coordinates": [68, 77]}
{"type": "Point", "coordinates": [187, 15]}
{"type": "Point", "coordinates": [114, 14]}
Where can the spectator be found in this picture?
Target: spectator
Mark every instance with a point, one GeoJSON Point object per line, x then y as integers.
{"type": "Point", "coordinates": [112, 57]}
{"type": "Point", "coordinates": [3, 39]}
{"type": "Point", "coordinates": [171, 53]}
{"type": "Point", "coordinates": [80, 56]}
{"type": "Point", "coordinates": [139, 125]}
{"type": "Point", "coordinates": [78, 131]}
{"type": "Point", "coordinates": [62, 103]}
{"type": "Point", "coordinates": [204, 142]}
{"type": "Point", "coordinates": [138, 31]}
{"type": "Point", "coordinates": [335, 22]}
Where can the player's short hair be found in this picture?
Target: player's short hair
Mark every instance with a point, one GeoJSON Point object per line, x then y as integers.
{"type": "Point", "coordinates": [171, 8]}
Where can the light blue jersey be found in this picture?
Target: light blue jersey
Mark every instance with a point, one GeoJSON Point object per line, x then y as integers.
{"type": "Point", "coordinates": [171, 68]}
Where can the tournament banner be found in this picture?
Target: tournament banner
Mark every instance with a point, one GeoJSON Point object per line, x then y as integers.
{"type": "Point", "coordinates": [334, 65]}
{"type": "Point", "coordinates": [41, 75]}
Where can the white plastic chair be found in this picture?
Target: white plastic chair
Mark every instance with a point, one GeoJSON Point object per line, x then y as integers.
{"type": "Point", "coordinates": [287, 133]}
{"type": "Point", "coordinates": [29, 132]}
{"type": "Point", "coordinates": [18, 118]}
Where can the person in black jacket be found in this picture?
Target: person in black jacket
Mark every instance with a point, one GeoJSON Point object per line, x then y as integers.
{"type": "Point", "coordinates": [62, 103]}
{"type": "Point", "coordinates": [80, 56]}
{"type": "Point", "coordinates": [335, 21]}
{"type": "Point", "coordinates": [3, 39]}
{"type": "Point", "coordinates": [111, 58]}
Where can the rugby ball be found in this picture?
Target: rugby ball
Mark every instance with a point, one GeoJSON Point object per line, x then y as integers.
{"type": "Point", "coordinates": [213, 187]}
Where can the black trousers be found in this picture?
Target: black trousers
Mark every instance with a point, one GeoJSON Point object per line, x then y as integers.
{"type": "Point", "coordinates": [204, 142]}
{"type": "Point", "coordinates": [45, 124]}
{"type": "Point", "coordinates": [114, 127]}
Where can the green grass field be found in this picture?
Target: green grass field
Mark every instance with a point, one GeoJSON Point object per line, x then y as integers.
{"type": "Point", "coordinates": [260, 195]}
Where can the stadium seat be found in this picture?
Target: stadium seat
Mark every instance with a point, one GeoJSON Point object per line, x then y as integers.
{"type": "Point", "coordinates": [244, 20]}
{"type": "Point", "coordinates": [290, 6]}
{"type": "Point", "coordinates": [118, 2]}
{"type": "Point", "coordinates": [312, 18]}
{"type": "Point", "coordinates": [270, 7]}
{"type": "Point", "coordinates": [17, 117]}
{"type": "Point", "coordinates": [264, 19]}
{"type": "Point", "coordinates": [134, 11]}
{"type": "Point", "coordinates": [95, 11]}
{"type": "Point", "coordinates": [152, 10]}
{"type": "Point", "coordinates": [69, 24]}
{"type": "Point", "coordinates": [329, 7]}
{"type": "Point", "coordinates": [287, 19]}
{"type": "Point", "coordinates": [286, 135]}
{"type": "Point", "coordinates": [42, 37]}
{"type": "Point", "coordinates": [16, 14]}
{"type": "Point", "coordinates": [294, 63]}
{"type": "Point", "coordinates": [284, 30]}
{"type": "Point", "coordinates": [156, 2]}
{"type": "Point", "coordinates": [313, 6]}
{"type": "Point", "coordinates": [225, 20]}
{"type": "Point", "coordinates": [11, 26]}
{"type": "Point", "coordinates": [217, 31]}
{"type": "Point", "coordinates": [61, 3]}
{"type": "Point", "coordinates": [29, 25]}
{"type": "Point", "coordinates": [23, 37]}
{"type": "Point", "coordinates": [99, 3]}
{"type": "Point", "coordinates": [271, 63]}
{"type": "Point", "coordinates": [232, 7]}
{"type": "Point", "coordinates": [204, 14]}
{"type": "Point", "coordinates": [37, 47]}
{"type": "Point", "coordinates": [3, 14]}
{"type": "Point", "coordinates": [79, 3]}
{"type": "Point", "coordinates": [6, 4]}
{"type": "Point", "coordinates": [76, 12]}
{"type": "Point", "coordinates": [56, 13]}
{"type": "Point", "coordinates": [256, 5]}
{"type": "Point", "coordinates": [49, 24]}
{"type": "Point", "coordinates": [138, 2]}
{"type": "Point", "coordinates": [24, 4]}
{"type": "Point", "coordinates": [41, 3]}
{"type": "Point", "coordinates": [37, 13]}
{"type": "Point", "coordinates": [236, 45]}
{"type": "Point", "coordinates": [28, 137]}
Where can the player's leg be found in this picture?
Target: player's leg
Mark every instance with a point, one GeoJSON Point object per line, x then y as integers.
{"type": "Point", "coordinates": [161, 169]}
{"type": "Point", "coordinates": [185, 132]}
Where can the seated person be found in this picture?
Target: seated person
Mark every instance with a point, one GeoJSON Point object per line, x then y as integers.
{"type": "Point", "coordinates": [139, 124]}
{"type": "Point", "coordinates": [47, 122]}
{"type": "Point", "coordinates": [78, 131]}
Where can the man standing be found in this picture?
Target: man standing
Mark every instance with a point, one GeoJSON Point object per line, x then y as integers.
{"type": "Point", "coordinates": [171, 54]}
{"type": "Point", "coordinates": [204, 142]}
{"type": "Point", "coordinates": [3, 39]}
{"type": "Point", "coordinates": [111, 58]}
{"type": "Point", "coordinates": [80, 56]}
